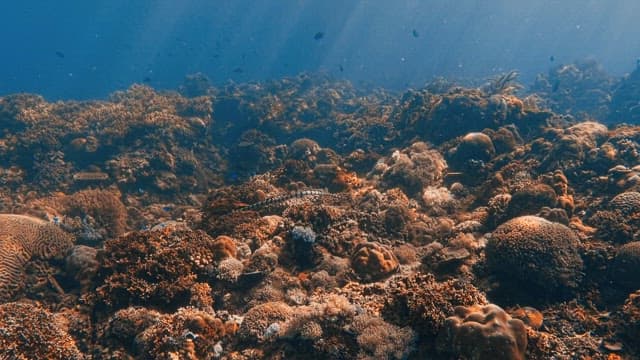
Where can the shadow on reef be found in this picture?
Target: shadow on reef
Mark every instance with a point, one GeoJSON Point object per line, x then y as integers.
{"type": "Point", "coordinates": [302, 218]}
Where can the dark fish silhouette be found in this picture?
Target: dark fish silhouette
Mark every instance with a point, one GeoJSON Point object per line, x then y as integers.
{"type": "Point", "coordinates": [319, 35]}
{"type": "Point", "coordinates": [341, 68]}
{"type": "Point", "coordinates": [415, 33]}
{"type": "Point", "coordinates": [238, 70]}
{"type": "Point", "coordinates": [552, 58]}
{"type": "Point", "coordinates": [146, 79]}
{"type": "Point", "coordinates": [60, 54]}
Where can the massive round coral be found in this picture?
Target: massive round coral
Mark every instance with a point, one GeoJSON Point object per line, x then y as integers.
{"type": "Point", "coordinates": [21, 238]}
{"type": "Point", "coordinates": [626, 266]}
{"type": "Point", "coordinates": [483, 333]}
{"type": "Point", "coordinates": [539, 255]}
{"type": "Point", "coordinates": [373, 261]}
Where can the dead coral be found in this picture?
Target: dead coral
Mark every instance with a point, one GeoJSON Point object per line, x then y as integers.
{"type": "Point", "coordinates": [582, 89]}
{"type": "Point", "coordinates": [186, 334]}
{"type": "Point", "coordinates": [31, 332]}
{"type": "Point", "coordinates": [631, 318]}
{"type": "Point", "coordinates": [483, 332]}
{"type": "Point", "coordinates": [626, 266]}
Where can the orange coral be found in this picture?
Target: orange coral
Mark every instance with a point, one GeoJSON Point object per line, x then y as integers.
{"type": "Point", "coordinates": [373, 261]}
{"type": "Point", "coordinates": [223, 247]}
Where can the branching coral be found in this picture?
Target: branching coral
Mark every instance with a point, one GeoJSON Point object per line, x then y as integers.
{"type": "Point", "coordinates": [154, 268]}
{"type": "Point", "coordinates": [27, 331]}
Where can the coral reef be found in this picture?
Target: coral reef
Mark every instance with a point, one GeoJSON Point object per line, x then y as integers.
{"type": "Point", "coordinates": [302, 218]}
{"type": "Point", "coordinates": [583, 89]}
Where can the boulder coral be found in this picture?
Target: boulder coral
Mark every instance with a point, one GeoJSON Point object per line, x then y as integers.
{"type": "Point", "coordinates": [28, 331]}
{"type": "Point", "coordinates": [626, 266]}
{"type": "Point", "coordinates": [373, 261]}
{"type": "Point", "coordinates": [483, 332]}
{"type": "Point", "coordinates": [534, 251]}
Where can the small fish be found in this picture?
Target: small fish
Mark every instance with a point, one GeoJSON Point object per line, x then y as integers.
{"type": "Point", "coordinates": [60, 54]}
{"type": "Point", "coordinates": [238, 70]}
{"type": "Point", "coordinates": [415, 33]}
{"type": "Point", "coordinates": [555, 86]}
{"type": "Point", "coordinates": [146, 79]}
{"type": "Point", "coordinates": [341, 68]}
{"type": "Point", "coordinates": [552, 58]}
{"type": "Point", "coordinates": [319, 35]}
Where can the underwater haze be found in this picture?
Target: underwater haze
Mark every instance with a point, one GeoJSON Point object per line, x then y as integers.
{"type": "Point", "coordinates": [88, 49]}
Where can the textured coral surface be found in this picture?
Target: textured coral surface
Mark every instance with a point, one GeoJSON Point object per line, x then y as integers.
{"type": "Point", "coordinates": [302, 218]}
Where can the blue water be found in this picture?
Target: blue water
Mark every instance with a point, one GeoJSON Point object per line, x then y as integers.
{"type": "Point", "coordinates": [87, 49]}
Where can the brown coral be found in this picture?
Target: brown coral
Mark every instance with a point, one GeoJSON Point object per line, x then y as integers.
{"type": "Point", "coordinates": [484, 333]}
{"type": "Point", "coordinates": [626, 266]}
{"type": "Point", "coordinates": [154, 268]}
{"type": "Point", "coordinates": [373, 261]}
{"type": "Point", "coordinates": [263, 321]}
{"type": "Point", "coordinates": [424, 303]}
{"type": "Point", "coordinates": [21, 238]}
{"type": "Point", "coordinates": [537, 252]}
{"type": "Point", "coordinates": [31, 332]}
{"type": "Point", "coordinates": [412, 169]}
